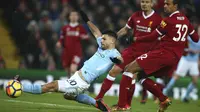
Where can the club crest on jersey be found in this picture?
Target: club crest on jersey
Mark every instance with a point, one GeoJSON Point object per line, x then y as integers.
{"type": "Point", "coordinates": [163, 24]}
{"type": "Point", "coordinates": [150, 23]}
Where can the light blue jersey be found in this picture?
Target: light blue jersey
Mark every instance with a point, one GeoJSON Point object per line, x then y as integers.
{"type": "Point", "coordinates": [194, 46]}
{"type": "Point", "coordinates": [99, 63]}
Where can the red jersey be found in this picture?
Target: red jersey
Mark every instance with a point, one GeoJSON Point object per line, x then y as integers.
{"type": "Point", "coordinates": [174, 31]}
{"type": "Point", "coordinates": [143, 25]}
{"type": "Point", "coordinates": [71, 36]}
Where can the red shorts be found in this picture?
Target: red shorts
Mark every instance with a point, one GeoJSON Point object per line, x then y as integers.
{"type": "Point", "coordinates": [158, 62]}
{"type": "Point", "coordinates": [68, 59]}
{"type": "Point", "coordinates": [128, 56]}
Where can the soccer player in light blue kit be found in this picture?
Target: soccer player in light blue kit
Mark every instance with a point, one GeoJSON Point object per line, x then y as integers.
{"type": "Point", "coordinates": [100, 63]}
{"type": "Point", "coordinates": [188, 63]}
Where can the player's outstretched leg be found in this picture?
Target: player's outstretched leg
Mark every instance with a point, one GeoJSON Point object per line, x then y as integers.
{"type": "Point", "coordinates": [37, 88]}
{"type": "Point", "coordinates": [85, 99]}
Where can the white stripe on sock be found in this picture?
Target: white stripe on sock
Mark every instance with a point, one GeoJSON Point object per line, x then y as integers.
{"type": "Point", "coordinates": [110, 77]}
{"type": "Point", "coordinates": [129, 74]}
{"type": "Point", "coordinates": [141, 81]}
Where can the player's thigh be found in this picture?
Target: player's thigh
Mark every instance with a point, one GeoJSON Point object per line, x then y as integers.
{"type": "Point", "coordinates": [194, 70]}
{"type": "Point", "coordinates": [183, 67]}
{"type": "Point", "coordinates": [153, 61]}
{"type": "Point", "coordinates": [74, 85]}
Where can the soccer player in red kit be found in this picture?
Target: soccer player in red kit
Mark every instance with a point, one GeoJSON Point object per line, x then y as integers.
{"type": "Point", "coordinates": [142, 23]}
{"type": "Point", "coordinates": [162, 60]}
{"type": "Point", "coordinates": [70, 39]}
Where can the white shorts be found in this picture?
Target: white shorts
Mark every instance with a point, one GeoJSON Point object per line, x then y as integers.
{"type": "Point", "coordinates": [185, 66]}
{"type": "Point", "coordinates": [73, 86]}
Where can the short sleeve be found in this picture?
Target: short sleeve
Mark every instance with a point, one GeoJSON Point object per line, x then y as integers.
{"type": "Point", "coordinates": [99, 41]}
{"type": "Point", "coordinates": [162, 28]}
{"type": "Point", "coordinates": [115, 53]}
{"type": "Point", "coordinates": [130, 22]}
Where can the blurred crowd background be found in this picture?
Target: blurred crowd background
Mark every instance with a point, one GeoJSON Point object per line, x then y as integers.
{"type": "Point", "coordinates": [35, 26]}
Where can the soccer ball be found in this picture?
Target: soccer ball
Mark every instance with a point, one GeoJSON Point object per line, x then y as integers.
{"type": "Point", "coordinates": [14, 89]}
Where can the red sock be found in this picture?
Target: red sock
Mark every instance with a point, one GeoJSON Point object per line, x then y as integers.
{"type": "Point", "coordinates": [144, 94]}
{"type": "Point", "coordinates": [104, 88]}
{"type": "Point", "coordinates": [151, 86]}
{"type": "Point", "coordinates": [125, 85]}
{"type": "Point", "coordinates": [130, 94]}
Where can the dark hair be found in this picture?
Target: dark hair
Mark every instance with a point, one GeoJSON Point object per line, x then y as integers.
{"type": "Point", "coordinates": [175, 2]}
{"type": "Point", "coordinates": [70, 14]}
{"type": "Point", "coordinates": [110, 33]}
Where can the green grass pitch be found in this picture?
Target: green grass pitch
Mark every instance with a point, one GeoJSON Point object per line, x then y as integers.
{"type": "Point", "coordinates": [54, 102]}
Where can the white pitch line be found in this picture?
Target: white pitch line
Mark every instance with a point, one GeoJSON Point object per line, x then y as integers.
{"type": "Point", "coordinates": [47, 104]}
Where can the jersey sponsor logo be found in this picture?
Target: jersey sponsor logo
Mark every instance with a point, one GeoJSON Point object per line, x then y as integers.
{"type": "Point", "coordinates": [143, 28]}
{"type": "Point", "coordinates": [163, 24]}
{"type": "Point", "coordinates": [72, 33]}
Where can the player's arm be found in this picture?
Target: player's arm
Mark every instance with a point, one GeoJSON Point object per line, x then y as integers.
{"type": "Point", "coordinates": [194, 36]}
{"type": "Point", "coordinates": [123, 31]}
{"type": "Point", "coordinates": [129, 25]}
{"type": "Point", "coordinates": [95, 31]}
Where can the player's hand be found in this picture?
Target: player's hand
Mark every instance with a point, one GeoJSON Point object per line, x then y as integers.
{"type": "Point", "coordinates": [115, 60]}
{"type": "Point", "coordinates": [84, 16]}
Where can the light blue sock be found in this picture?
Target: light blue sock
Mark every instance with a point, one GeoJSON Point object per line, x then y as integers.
{"type": "Point", "coordinates": [85, 99]}
{"type": "Point", "coordinates": [169, 86]}
{"type": "Point", "coordinates": [31, 88]}
{"type": "Point", "coordinates": [190, 87]}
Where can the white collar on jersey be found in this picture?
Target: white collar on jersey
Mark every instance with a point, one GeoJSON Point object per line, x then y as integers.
{"type": "Point", "coordinates": [145, 17]}
{"type": "Point", "coordinates": [73, 24]}
{"type": "Point", "coordinates": [173, 13]}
